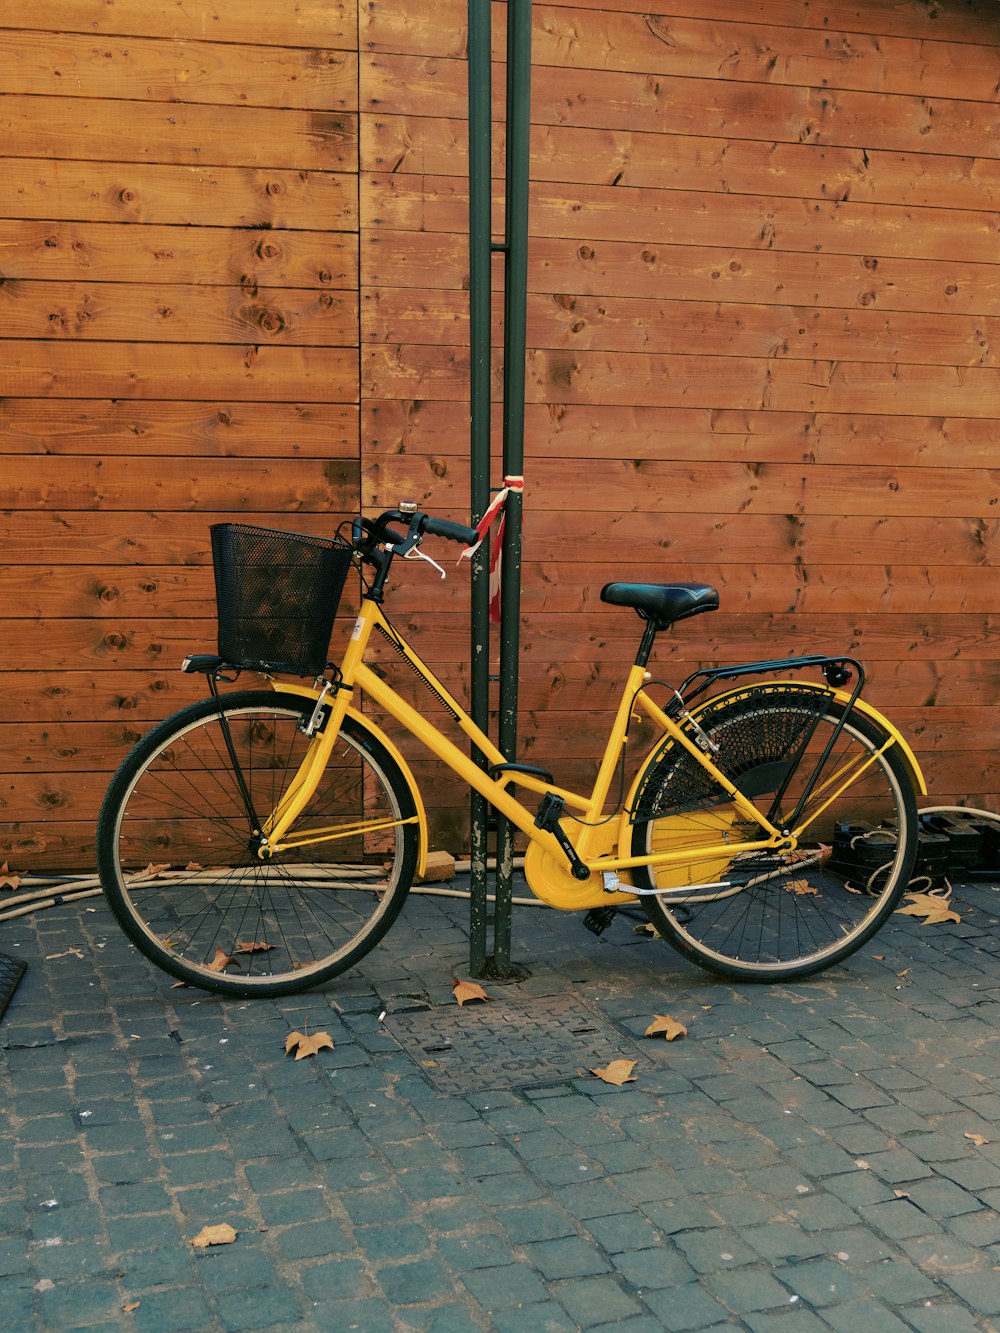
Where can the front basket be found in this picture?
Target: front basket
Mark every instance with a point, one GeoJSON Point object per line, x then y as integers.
{"type": "Point", "coordinates": [277, 595]}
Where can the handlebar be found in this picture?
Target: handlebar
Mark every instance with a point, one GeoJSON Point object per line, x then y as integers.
{"type": "Point", "coordinates": [367, 533]}
{"type": "Point", "coordinates": [454, 532]}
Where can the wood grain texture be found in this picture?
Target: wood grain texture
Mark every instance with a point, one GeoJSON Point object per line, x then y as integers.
{"type": "Point", "coordinates": [219, 256]}
{"type": "Point", "coordinates": [762, 279]}
{"type": "Point", "coordinates": [178, 347]}
{"type": "Point", "coordinates": [764, 293]}
{"type": "Point", "coordinates": [188, 195]}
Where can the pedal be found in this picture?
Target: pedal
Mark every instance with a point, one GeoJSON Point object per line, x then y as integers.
{"type": "Point", "coordinates": [598, 919]}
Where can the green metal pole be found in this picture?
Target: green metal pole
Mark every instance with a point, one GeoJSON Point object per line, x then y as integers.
{"type": "Point", "coordinates": [515, 334]}
{"type": "Point", "coordinates": [480, 251]}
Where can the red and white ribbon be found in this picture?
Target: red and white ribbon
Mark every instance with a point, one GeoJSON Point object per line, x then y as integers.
{"type": "Point", "coordinates": [496, 555]}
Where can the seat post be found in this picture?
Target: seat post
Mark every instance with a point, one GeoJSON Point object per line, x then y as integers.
{"type": "Point", "coordinates": [646, 646]}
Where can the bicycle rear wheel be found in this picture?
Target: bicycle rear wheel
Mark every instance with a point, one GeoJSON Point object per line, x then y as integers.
{"type": "Point", "coordinates": [177, 854]}
{"type": "Point", "coordinates": [766, 915]}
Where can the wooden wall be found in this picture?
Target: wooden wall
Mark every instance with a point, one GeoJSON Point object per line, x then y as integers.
{"type": "Point", "coordinates": [763, 349]}
{"type": "Point", "coordinates": [178, 310]}
{"type": "Point", "coordinates": [763, 342]}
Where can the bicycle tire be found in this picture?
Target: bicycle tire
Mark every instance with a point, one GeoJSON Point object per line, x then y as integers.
{"type": "Point", "coordinates": [177, 856]}
{"type": "Point", "coordinates": [781, 916]}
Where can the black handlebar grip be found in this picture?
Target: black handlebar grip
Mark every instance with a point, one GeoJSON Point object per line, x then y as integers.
{"type": "Point", "coordinates": [454, 532]}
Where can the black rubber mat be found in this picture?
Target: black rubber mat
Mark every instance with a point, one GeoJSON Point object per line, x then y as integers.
{"type": "Point", "coordinates": [11, 972]}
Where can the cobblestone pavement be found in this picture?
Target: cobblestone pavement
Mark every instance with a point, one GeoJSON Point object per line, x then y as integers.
{"type": "Point", "coordinates": [824, 1155]}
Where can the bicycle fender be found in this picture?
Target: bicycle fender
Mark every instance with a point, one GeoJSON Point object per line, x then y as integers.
{"type": "Point", "coordinates": [377, 734]}
{"type": "Point", "coordinates": [843, 697]}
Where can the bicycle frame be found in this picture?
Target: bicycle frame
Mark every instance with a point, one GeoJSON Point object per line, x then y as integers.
{"type": "Point", "coordinates": [592, 843]}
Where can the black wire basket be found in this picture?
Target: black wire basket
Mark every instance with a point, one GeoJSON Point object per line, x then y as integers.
{"type": "Point", "coordinates": [277, 595]}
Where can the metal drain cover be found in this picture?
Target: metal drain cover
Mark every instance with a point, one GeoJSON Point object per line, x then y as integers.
{"type": "Point", "coordinates": [525, 1044]}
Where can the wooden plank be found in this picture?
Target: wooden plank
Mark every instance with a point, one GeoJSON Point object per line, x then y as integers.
{"type": "Point", "coordinates": [738, 383]}
{"type": "Point", "coordinates": [554, 588]}
{"type": "Point", "coordinates": [428, 146]}
{"type": "Point", "coordinates": [112, 131]}
{"type": "Point", "coordinates": [751, 52]}
{"type": "Point", "coordinates": [630, 324]}
{"type": "Point", "coordinates": [177, 313]}
{"type": "Point", "coordinates": [663, 485]}
{"type": "Point", "coordinates": [44, 591]}
{"type": "Point", "coordinates": [95, 748]}
{"type": "Point", "coordinates": [150, 591]}
{"type": "Point", "coordinates": [86, 536]}
{"type": "Point", "coordinates": [145, 697]}
{"type": "Point", "coordinates": [440, 32]}
{"type": "Point", "coordinates": [572, 266]}
{"type": "Point", "coordinates": [135, 644]}
{"type": "Point", "coordinates": [591, 214]}
{"type": "Point", "coordinates": [177, 429]}
{"type": "Point", "coordinates": [154, 536]}
{"type": "Point", "coordinates": [207, 256]}
{"type": "Point", "coordinates": [395, 85]}
{"type": "Point", "coordinates": [141, 697]}
{"type": "Point", "coordinates": [177, 70]}
{"type": "Point", "coordinates": [762, 53]}
{"type": "Point", "coordinates": [138, 483]}
{"type": "Point", "coordinates": [35, 368]}
{"type": "Point", "coordinates": [598, 431]}
{"type": "Point", "coordinates": [185, 195]}
{"type": "Point", "coordinates": [332, 22]}
{"type": "Point", "coordinates": [971, 22]}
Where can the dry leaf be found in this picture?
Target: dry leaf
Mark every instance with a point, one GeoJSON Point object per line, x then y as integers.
{"type": "Point", "coordinates": [801, 887]}
{"type": "Point", "coordinates": [220, 962]}
{"type": "Point", "coordinates": [932, 907]}
{"type": "Point", "coordinates": [153, 870]}
{"type": "Point", "coordinates": [253, 946]}
{"type": "Point", "coordinates": [665, 1026]}
{"type": "Point", "coordinates": [814, 855]}
{"type": "Point", "coordinates": [221, 1234]}
{"type": "Point", "coordinates": [9, 879]}
{"type": "Point", "coordinates": [305, 1045]}
{"type": "Point", "coordinates": [617, 1072]}
{"type": "Point", "coordinates": [469, 990]}
{"type": "Point", "coordinates": [977, 1139]}
{"type": "Point", "coordinates": [129, 1306]}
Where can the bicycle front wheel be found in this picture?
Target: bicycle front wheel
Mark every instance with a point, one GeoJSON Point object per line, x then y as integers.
{"type": "Point", "coordinates": [768, 915]}
{"type": "Point", "coordinates": [178, 859]}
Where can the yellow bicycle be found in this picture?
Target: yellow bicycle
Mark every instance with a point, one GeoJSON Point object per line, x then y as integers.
{"type": "Point", "coordinates": [263, 841]}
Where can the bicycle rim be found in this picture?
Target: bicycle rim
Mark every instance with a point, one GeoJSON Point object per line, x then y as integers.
{"type": "Point", "coordinates": [767, 915]}
{"type": "Point", "coordinates": [178, 858]}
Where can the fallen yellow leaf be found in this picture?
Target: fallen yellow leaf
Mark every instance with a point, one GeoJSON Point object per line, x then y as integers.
{"type": "Point", "coordinates": [801, 887]}
{"type": "Point", "coordinates": [129, 1306]}
{"type": "Point", "coordinates": [221, 1234]}
{"type": "Point", "coordinates": [9, 879]}
{"type": "Point", "coordinates": [977, 1139]}
{"type": "Point", "coordinates": [221, 961]}
{"type": "Point", "coordinates": [469, 990]}
{"type": "Point", "coordinates": [253, 946]}
{"type": "Point", "coordinates": [932, 907]}
{"type": "Point", "coordinates": [665, 1026]}
{"type": "Point", "coordinates": [617, 1072]}
{"type": "Point", "coordinates": [153, 870]}
{"type": "Point", "coordinates": [304, 1045]}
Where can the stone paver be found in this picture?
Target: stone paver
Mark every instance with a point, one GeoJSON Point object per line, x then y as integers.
{"type": "Point", "coordinates": [810, 1157]}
